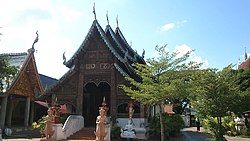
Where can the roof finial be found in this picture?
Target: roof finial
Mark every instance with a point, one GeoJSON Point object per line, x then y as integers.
{"type": "Point", "coordinates": [94, 11]}
{"type": "Point", "coordinates": [117, 21]}
{"type": "Point", "coordinates": [246, 54]}
{"type": "Point", "coordinates": [64, 58]}
{"type": "Point", "coordinates": [143, 53]}
{"type": "Point", "coordinates": [36, 40]}
{"type": "Point", "coordinates": [107, 16]}
{"type": "Point", "coordinates": [130, 43]}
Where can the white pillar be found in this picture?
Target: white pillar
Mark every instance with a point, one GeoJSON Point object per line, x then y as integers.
{"type": "Point", "coordinates": [27, 112]}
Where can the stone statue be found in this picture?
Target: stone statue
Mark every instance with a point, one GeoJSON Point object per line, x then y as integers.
{"type": "Point", "coordinates": [48, 125]}
{"type": "Point", "coordinates": [129, 131]}
{"type": "Point", "coordinates": [56, 114]}
{"type": "Point", "coordinates": [131, 109]}
{"type": "Point", "coordinates": [101, 121]}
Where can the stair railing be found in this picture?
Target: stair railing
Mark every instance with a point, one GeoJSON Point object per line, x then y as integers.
{"type": "Point", "coordinates": [73, 124]}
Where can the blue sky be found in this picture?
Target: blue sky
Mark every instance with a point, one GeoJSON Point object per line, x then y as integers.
{"type": "Point", "coordinates": [218, 30]}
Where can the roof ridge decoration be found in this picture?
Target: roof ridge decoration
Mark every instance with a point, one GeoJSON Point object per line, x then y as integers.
{"type": "Point", "coordinates": [246, 54]}
{"type": "Point", "coordinates": [32, 49]}
{"type": "Point", "coordinates": [117, 25]}
{"type": "Point", "coordinates": [94, 11]}
{"type": "Point", "coordinates": [107, 17]}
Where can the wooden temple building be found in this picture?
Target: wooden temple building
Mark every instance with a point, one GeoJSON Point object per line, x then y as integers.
{"type": "Point", "coordinates": [17, 101]}
{"type": "Point", "coordinates": [96, 70]}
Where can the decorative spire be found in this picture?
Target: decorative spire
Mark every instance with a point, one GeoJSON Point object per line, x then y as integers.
{"type": "Point", "coordinates": [36, 40]}
{"type": "Point", "coordinates": [94, 11]}
{"type": "Point", "coordinates": [107, 16]}
{"type": "Point", "coordinates": [143, 53]}
{"type": "Point", "coordinates": [32, 49]}
{"type": "Point", "coordinates": [64, 58]}
{"type": "Point", "coordinates": [246, 54]}
{"type": "Point", "coordinates": [117, 21]}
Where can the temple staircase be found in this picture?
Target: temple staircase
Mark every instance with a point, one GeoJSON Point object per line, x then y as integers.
{"type": "Point", "coordinates": [86, 133]}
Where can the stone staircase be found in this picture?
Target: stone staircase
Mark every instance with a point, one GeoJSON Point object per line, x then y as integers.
{"type": "Point", "coordinates": [83, 134]}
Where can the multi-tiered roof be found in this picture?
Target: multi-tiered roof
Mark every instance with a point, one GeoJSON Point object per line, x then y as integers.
{"type": "Point", "coordinates": [116, 44]}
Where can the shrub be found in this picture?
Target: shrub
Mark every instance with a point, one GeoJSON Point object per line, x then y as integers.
{"type": "Point", "coordinates": [40, 124]}
{"type": "Point", "coordinates": [115, 131]}
{"type": "Point", "coordinates": [172, 125]}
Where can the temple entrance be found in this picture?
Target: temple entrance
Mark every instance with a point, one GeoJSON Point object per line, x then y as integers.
{"type": "Point", "coordinates": [92, 100]}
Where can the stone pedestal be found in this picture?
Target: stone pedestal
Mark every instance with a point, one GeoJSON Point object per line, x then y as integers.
{"type": "Point", "coordinates": [58, 132]}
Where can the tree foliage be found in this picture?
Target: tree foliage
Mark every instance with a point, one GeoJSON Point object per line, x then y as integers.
{"type": "Point", "coordinates": [6, 71]}
{"type": "Point", "coordinates": [217, 95]}
{"type": "Point", "coordinates": [162, 79]}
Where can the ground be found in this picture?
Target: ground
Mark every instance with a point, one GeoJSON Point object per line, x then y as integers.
{"type": "Point", "coordinates": [187, 134]}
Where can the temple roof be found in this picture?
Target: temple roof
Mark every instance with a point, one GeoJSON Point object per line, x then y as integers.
{"type": "Point", "coordinates": [47, 82]}
{"type": "Point", "coordinates": [96, 25]}
{"type": "Point", "coordinates": [245, 64]}
{"type": "Point", "coordinates": [27, 81]}
{"type": "Point", "coordinates": [117, 45]}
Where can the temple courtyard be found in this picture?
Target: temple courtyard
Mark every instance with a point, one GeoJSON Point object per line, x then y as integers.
{"type": "Point", "coordinates": [187, 134]}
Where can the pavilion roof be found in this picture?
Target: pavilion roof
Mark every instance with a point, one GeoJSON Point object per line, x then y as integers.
{"type": "Point", "coordinates": [27, 81]}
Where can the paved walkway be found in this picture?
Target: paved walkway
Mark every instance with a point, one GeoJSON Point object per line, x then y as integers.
{"type": "Point", "coordinates": [187, 134]}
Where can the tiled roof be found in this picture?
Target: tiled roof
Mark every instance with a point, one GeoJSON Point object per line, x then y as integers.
{"type": "Point", "coordinates": [245, 64]}
{"type": "Point", "coordinates": [16, 59]}
{"type": "Point", "coordinates": [47, 81]}
{"type": "Point", "coordinates": [105, 39]}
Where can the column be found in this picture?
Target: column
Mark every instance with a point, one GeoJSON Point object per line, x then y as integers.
{"type": "Point", "coordinates": [9, 116]}
{"type": "Point", "coordinates": [31, 112]}
{"type": "Point", "coordinates": [113, 91]}
{"type": "Point", "coordinates": [27, 112]}
{"type": "Point", "coordinates": [3, 111]}
{"type": "Point", "coordinates": [79, 94]}
{"type": "Point", "coordinates": [142, 114]}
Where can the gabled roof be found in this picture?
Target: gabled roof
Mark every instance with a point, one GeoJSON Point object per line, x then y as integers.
{"type": "Point", "coordinates": [95, 25]}
{"type": "Point", "coordinates": [27, 81]}
{"type": "Point", "coordinates": [124, 43]}
{"type": "Point", "coordinates": [116, 44]}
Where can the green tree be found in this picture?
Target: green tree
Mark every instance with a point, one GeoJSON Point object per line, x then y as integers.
{"type": "Point", "coordinates": [217, 95]}
{"type": "Point", "coordinates": [6, 71]}
{"type": "Point", "coordinates": [162, 79]}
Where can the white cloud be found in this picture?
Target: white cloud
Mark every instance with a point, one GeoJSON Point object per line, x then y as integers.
{"type": "Point", "coordinates": [20, 24]}
{"type": "Point", "coordinates": [167, 26]}
{"type": "Point", "coordinates": [183, 49]}
{"type": "Point", "coordinates": [69, 14]}
{"type": "Point", "coordinates": [172, 25]}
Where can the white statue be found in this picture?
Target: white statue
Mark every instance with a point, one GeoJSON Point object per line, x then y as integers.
{"type": "Point", "coordinates": [128, 131]}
